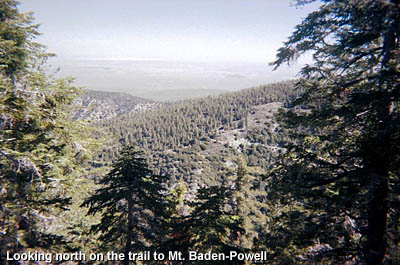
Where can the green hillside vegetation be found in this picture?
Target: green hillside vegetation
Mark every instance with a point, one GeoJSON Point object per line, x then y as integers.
{"type": "Point", "coordinates": [228, 140]}
{"type": "Point", "coordinates": [203, 129]}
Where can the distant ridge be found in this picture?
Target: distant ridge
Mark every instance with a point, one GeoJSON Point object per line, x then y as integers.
{"type": "Point", "coordinates": [115, 96]}
{"type": "Point", "coordinates": [175, 95]}
{"type": "Point", "coordinates": [99, 105]}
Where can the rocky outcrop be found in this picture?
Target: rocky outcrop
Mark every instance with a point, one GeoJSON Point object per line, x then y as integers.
{"type": "Point", "coordinates": [98, 105]}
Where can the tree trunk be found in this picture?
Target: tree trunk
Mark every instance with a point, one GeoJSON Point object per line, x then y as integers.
{"type": "Point", "coordinates": [381, 153]}
{"type": "Point", "coordinates": [377, 220]}
{"type": "Point", "coordinates": [377, 155]}
{"type": "Point", "coordinates": [128, 245]}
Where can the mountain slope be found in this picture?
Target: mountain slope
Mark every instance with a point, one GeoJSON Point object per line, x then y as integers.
{"type": "Point", "coordinates": [195, 140]}
{"type": "Point", "coordinates": [99, 105]}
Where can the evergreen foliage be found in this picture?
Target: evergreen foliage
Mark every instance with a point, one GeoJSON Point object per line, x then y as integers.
{"type": "Point", "coordinates": [338, 182]}
{"type": "Point", "coordinates": [130, 201]}
{"type": "Point", "coordinates": [211, 226]}
{"type": "Point", "coordinates": [249, 202]}
{"type": "Point", "coordinates": [40, 153]}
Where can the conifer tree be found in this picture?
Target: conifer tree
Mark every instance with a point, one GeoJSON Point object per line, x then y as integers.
{"type": "Point", "coordinates": [173, 234]}
{"type": "Point", "coordinates": [39, 153]}
{"type": "Point", "coordinates": [130, 201]}
{"type": "Point", "coordinates": [340, 177]}
{"type": "Point", "coordinates": [249, 197]}
{"type": "Point", "coordinates": [214, 227]}
{"type": "Point", "coordinates": [206, 223]}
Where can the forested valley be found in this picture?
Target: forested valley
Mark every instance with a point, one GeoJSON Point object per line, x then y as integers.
{"type": "Point", "coordinates": [302, 171]}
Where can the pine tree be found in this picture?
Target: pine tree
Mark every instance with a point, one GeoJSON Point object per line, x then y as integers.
{"type": "Point", "coordinates": [213, 227]}
{"type": "Point", "coordinates": [173, 234]}
{"type": "Point", "coordinates": [249, 197]}
{"type": "Point", "coordinates": [340, 177]}
{"type": "Point", "coordinates": [130, 201]}
{"type": "Point", "coordinates": [39, 153]}
{"type": "Point", "coordinates": [203, 224]}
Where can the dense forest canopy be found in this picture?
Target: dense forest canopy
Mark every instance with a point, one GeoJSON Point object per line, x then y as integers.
{"type": "Point", "coordinates": [306, 171]}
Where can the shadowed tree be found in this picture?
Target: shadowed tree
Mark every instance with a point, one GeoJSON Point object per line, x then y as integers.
{"type": "Point", "coordinates": [210, 226]}
{"type": "Point", "coordinates": [130, 202]}
{"type": "Point", "coordinates": [340, 176]}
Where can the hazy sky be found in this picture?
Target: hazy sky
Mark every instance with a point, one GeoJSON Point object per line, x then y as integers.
{"type": "Point", "coordinates": [195, 30]}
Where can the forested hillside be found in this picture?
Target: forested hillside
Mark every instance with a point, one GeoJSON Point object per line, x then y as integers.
{"type": "Point", "coordinates": [196, 139]}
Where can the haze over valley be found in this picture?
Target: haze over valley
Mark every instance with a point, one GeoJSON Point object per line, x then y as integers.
{"type": "Point", "coordinates": [167, 50]}
{"type": "Point", "coordinates": [166, 80]}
